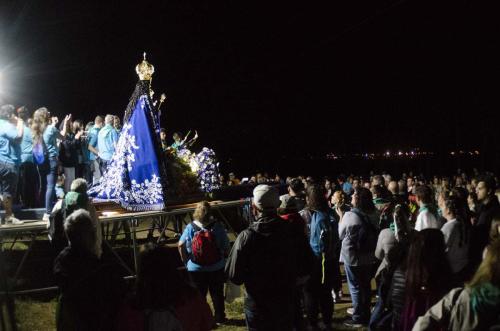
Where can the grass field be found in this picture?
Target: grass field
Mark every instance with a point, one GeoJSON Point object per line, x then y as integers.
{"type": "Point", "coordinates": [35, 314]}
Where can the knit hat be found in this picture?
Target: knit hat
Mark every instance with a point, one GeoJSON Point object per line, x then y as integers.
{"type": "Point", "coordinates": [266, 197]}
{"type": "Point", "coordinates": [74, 200]}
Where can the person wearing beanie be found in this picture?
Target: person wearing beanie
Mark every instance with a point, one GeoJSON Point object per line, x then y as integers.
{"type": "Point", "coordinates": [76, 198]}
{"type": "Point", "coordinates": [268, 257]}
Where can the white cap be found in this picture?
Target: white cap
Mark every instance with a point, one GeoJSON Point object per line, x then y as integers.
{"type": "Point", "coordinates": [266, 197]}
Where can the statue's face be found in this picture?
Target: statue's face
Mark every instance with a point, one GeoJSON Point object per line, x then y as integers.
{"type": "Point", "coordinates": [163, 135]}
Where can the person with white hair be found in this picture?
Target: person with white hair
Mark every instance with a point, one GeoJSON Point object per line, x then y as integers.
{"type": "Point", "coordinates": [106, 142]}
{"type": "Point", "coordinates": [91, 289]}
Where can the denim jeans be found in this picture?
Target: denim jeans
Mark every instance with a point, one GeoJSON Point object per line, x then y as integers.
{"type": "Point", "coordinates": [48, 176]}
{"type": "Point", "coordinates": [358, 279]}
{"type": "Point", "coordinates": [381, 318]}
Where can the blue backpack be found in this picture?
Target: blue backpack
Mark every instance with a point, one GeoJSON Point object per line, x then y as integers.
{"type": "Point", "coordinates": [328, 236]}
{"type": "Point", "coordinates": [39, 152]}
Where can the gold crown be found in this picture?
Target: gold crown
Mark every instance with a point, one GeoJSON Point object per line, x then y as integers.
{"type": "Point", "coordinates": [145, 70]}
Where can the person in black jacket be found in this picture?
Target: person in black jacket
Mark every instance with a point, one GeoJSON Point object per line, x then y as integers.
{"type": "Point", "coordinates": [68, 152]}
{"type": "Point", "coordinates": [268, 257]}
{"type": "Point", "coordinates": [489, 207]}
{"type": "Point", "coordinates": [91, 290]}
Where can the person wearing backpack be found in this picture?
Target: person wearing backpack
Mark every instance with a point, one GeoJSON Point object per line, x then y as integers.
{"type": "Point", "coordinates": [323, 241]}
{"type": "Point", "coordinates": [203, 247]}
{"type": "Point", "coordinates": [359, 238]}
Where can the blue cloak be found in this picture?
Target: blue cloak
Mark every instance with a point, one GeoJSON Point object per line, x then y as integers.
{"type": "Point", "coordinates": [136, 175]}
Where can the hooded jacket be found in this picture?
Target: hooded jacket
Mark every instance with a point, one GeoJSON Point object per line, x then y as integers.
{"type": "Point", "coordinates": [91, 291]}
{"type": "Point", "coordinates": [268, 257]}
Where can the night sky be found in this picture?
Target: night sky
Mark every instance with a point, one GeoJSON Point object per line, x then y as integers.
{"type": "Point", "coordinates": [265, 81]}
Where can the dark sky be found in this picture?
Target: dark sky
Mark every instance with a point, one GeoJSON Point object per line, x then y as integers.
{"type": "Point", "coordinates": [268, 79]}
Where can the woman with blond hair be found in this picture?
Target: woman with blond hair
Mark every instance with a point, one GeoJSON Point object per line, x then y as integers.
{"type": "Point", "coordinates": [474, 307]}
{"type": "Point", "coordinates": [203, 247]}
{"type": "Point", "coordinates": [46, 152]}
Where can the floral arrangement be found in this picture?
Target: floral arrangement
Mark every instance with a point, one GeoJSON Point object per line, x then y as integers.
{"type": "Point", "coordinates": [208, 170]}
{"type": "Point", "coordinates": [190, 173]}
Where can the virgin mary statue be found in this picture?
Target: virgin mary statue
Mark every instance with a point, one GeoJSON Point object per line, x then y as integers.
{"type": "Point", "coordinates": [136, 176]}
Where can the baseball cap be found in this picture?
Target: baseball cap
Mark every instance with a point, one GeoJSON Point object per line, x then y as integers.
{"type": "Point", "coordinates": [266, 197]}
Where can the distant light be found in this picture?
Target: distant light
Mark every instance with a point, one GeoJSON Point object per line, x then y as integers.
{"type": "Point", "coordinates": [388, 153]}
{"type": "Point", "coordinates": [477, 152]}
{"type": "Point", "coordinates": [400, 153]}
{"type": "Point", "coordinates": [452, 153]}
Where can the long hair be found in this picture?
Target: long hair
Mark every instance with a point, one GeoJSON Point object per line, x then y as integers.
{"type": "Point", "coordinates": [160, 284]}
{"type": "Point", "coordinates": [141, 88]}
{"type": "Point", "coordinates": [316, 198]}
{"type": "Point", "coordinates": [495, 228]}
{"type": "Point", "coordinates": [401, 216]}
{"type": "Point", "coordinates": [365, 200]}
{"type": "Point", "coordinates": [489, 269]}
{"type": "Point", "coordinates": [341, 197]}
{"type": "Point", "coordinates": [23, 113]}
{"type": "Point", "coordinates": [427, 267]}
{"type": "Point", "coordinates": [39, 123]}
{"type": "Point", "coordinates": [202, 212]}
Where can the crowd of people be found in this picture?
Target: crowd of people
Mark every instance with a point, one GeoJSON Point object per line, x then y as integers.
{"type": "Point", "coordinates": [40, 156]}
{"type": "Point", "coordinates": [431, 246]}
{"type": "Point", "coordinates": [432, 252]}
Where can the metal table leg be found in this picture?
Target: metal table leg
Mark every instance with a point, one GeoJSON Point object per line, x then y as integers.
{"type": "Point", "coordinates": [25, 256]}
{"type": "Point", "coordinates": [133, 225]}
